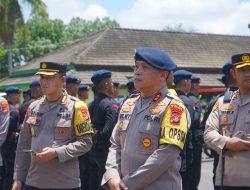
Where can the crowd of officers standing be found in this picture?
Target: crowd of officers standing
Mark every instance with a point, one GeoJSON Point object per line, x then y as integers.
{"type": "Point", "coordinates": [89, 145]}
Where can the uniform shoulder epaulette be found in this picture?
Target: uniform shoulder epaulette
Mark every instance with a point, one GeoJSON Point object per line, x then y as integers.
{"type": "Point", "coordinates": [173, 96]}
{"type": "Point", "coordinates": [74, 98]}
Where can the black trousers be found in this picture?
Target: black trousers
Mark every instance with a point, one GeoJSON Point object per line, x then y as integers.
{"type": "Point", "coordinates": [84, 171]}
{"type": "Point", "coordinates": [197, 165]}
{"type": "Point", "coordinates": [98, 157]}
{"type": "Point", "coordinates": [27, 187]}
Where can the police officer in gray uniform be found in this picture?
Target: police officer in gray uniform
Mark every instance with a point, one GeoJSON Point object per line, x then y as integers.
{"type": "Point", "coordinates": [4, 123]}
{"type": "Point", "coordinates": [56, 130]}
{"type": "Point", "coordinates": [228, 130]}
{"type": "Point", "coordinates": [150, 132]}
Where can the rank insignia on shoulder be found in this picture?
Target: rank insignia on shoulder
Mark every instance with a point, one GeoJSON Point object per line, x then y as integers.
{"type": "Point", "coordinates": [157, 97]}
{"type": "Point", "coordinates": [147, 142]}
{"type": "Point", "coordinates": [154, 111]}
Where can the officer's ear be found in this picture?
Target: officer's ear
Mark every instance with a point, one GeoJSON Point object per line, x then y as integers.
{"type": "Point", "coordinates": [232, 73]}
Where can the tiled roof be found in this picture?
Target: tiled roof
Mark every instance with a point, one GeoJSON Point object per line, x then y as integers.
{"type": "Point", "coordinates": [203, 54]}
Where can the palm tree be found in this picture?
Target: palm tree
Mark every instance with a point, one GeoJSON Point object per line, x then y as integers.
{"type": "Point", "coordinates": [11, 17]}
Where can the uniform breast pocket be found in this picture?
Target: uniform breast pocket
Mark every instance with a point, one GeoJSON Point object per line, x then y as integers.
{"type": "Point", "coordinates": [63, 130]}
{"type": "Point", "coordinates": [148, 139]}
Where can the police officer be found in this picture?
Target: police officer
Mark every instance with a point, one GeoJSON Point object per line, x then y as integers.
{"type": "Point", "coordinates": [35, 93]}
{"type": "Point", "coordinates": [4, 123]}
{"type": "Point", "coordinates": [227, 130]}
{"type": "Point", "coordinates": [55, 132]}
{"type": "Point", "coordinates": [103, 112]}
{"type": "Point", "coordinates": [150, 132]}
{"type": "Point", "coordinates": [197, 132]}
{"type": "Point", "coordinates": [182, 80]}
{"type": "Point", "coordinates": [26, 95]}
{"type": "Point", "coordinates": [231, 85]}
{"type": "Point", "coordinates": [83, 92]}
{"type": "Point", "coordinates": [9, 146]}
{"type": "Point", "coordinates": [72, 84]}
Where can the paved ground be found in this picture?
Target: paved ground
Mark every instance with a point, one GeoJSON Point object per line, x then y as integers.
{"type": "Point", "coordinates": [206, 175]}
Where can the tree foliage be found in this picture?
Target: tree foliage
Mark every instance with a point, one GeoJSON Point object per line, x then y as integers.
{"type": "Point", "coordinates": [42, 36]}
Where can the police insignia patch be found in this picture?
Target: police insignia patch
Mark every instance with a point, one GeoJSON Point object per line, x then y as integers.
{"type": "Point", "coordinates": [5, 107]}
{"type": "Point", "coordinates": [225, 119]}
{"type": "Point", "coordinates": [131, 103]}
{"type": "Point", "coordinates": [62, 132]}
{"type": "Point", "coordinates": [147, 142]}
{"type": "Point", "coordinates": [176, 112]}
{"type": "Point", "coordinates": [85, 113]}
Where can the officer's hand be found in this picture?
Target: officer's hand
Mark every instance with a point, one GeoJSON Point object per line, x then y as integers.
{"type": "Point", "coordinates": [46, 154]}
{"type": "Point", "coordinates": [116, 184]}
{"type": "Point", "coordinates": [17, 185]}
{"type": "Point", "coordinates": [237, 144]}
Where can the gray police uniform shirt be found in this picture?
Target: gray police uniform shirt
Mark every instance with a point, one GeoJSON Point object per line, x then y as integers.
{"type": "Point", "coordinates": [4, 123]}
{"type": "Point", "coordinates": [146, 143]}
{"type": "Point", "coordinates": [225, 121]}
{"type": "Point", "coordinates": [63, 125]}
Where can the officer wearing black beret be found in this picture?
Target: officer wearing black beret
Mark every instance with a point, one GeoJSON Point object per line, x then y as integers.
{"type": "Point", "coordinates": [144, 154]}
{"type": "Point", "coordinates": [182, 80]}
{"type": "Point", "coordinates": [35, 93]}
{"type": "Point", "coordinates": [8, 148]}
{"type": "Point", "coordinates": [197, 131]}
{"type": "Point", "coordinates": [72, 83]}
{"type": "Point", "coordinates": [103, 111]}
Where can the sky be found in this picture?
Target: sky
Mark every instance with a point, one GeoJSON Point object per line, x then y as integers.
{"type": "Point", "coordinates": [229, 17]}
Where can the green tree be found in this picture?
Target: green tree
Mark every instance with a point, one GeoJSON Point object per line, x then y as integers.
{"type": "Point", "coordinates": [11, 17]}
{"type": "Point", "coordinates": [80, 28]}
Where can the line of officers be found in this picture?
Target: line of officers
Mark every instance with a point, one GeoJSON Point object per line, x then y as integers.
{"type": "Point", "coordinates": [56, 133]}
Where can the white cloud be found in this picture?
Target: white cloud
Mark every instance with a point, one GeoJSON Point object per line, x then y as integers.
{"type": "Point", "coordinates": [68, 9]}
{"type": "Point", "coordinates": [213, 16]}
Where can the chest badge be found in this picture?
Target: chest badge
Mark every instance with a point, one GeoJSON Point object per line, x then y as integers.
{"type": "Point", "coordinates": [146, 142]}
{"type": "Point", "coordinates": [62, 132]}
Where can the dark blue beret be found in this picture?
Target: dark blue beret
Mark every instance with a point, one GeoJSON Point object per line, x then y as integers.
{"type": "Point", "coordinates": [83, 87]}
{"type": "Point", "coordinates": [195, 79]}
{"type": "Point", "coordinates": [51, 68]}
{"type": "Point", "coordinates": [155, 57]}
{"type": "Point", "coordinates": [181, 74]}
{"type": "Point", "coordinates": [226, 68]}
{"type": "Point", "coordinates": [27, 92]}
{"type": "Point", "coordinates": [72, 79]}
{"type": "Point", "coordinates": [116, 84]}
{"type": "Point", "coordinates": [99, 75]}
{"type": "Point", "coordinates": [130, 82]}
{"type": "Point", "coordinates": [12, 89]}
{"type": "Point", "coordinates": [241, 60]}
{"type": "Point", "coordinates": [224, 79]}
{"type": "Point", "coordinates": [34, 83]}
